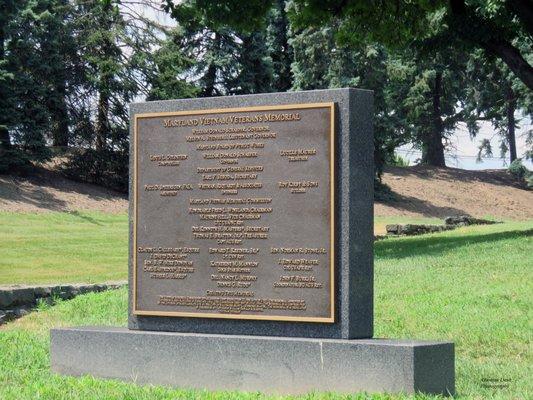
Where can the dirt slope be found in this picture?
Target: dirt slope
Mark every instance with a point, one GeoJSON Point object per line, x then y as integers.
{"type": "Point", "coordinates": [439, 192]}
{"type": "Point", "coordinates": [50, 191]}
{"type": "Point", "coordinates": [416, 192]}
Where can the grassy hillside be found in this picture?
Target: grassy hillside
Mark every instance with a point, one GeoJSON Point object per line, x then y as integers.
{"type": "Point", "coordinates": [472, 286]}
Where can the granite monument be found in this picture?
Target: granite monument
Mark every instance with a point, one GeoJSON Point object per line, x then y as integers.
{"type": "Point", "coordinates": [251, 230]}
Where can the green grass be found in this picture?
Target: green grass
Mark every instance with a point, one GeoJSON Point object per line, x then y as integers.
{"type": "Point", "coordinates": [81, 246]}
{"type": "Point", "coordinates": [62, 247]}
{"type": "Point", "coordinates": [472, 285]}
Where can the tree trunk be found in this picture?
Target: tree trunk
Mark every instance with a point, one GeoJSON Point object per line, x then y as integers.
{"type": "Point", "coordinates": [432, 147]}
{"type": "Point", "coordinates": [60, 133]}
{"type": "Point", "coordinates": [511, 56]}
{"type": "Point", "coordinates": [511, 107]}
{"type": "Point", "coordinates": [210, 77]}
{"type": "Point", "coordinates": [5, 141]}
{"type": "Point", "coordinates": [102, 121]}
{"type": "Point", "coordinates": [468, 24]}
{"type": "Point", "coordinates": [282, 60]}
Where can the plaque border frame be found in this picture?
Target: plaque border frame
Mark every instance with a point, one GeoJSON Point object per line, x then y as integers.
{"type": "Point", "coordinates": [331, 317]}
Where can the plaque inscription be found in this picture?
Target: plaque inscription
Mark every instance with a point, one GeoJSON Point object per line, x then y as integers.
{"type": "Point", "coordinates": [234, 213]}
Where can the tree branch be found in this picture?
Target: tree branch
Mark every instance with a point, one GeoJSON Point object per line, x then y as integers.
{"type": "Point", "coordinates": [512, 57]}
{"type": "Point", "coordinates": [523, 10]}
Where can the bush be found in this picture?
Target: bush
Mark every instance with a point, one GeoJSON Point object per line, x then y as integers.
{"type": "Point", "coordinates": [107, 168]}
{"type": "Point", "coordinates": [14, 161]}
{"type": "Point", "coordinates": [520, 172]}
{"type": "Point", "coordinates": [397, 161]}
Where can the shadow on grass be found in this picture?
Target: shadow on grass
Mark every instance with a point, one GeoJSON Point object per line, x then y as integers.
{"type": "Point", "coordinates": [84, 217]}
{"type": "Point", "coordinates": [436, 245]}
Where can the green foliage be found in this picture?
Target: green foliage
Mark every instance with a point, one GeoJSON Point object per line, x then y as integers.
{"type": "Point", "coordinates": [431, 65]}
{"type": "Point", "coordinates": [255, 66]}
{"type": "Point", "coordinates": [398, 161]}
{"type": "Point", "coordinates": [519, 170]}
{"type": "Point", "coordinates": [495, 94]}
{"type": "Point", "coordinates": [368, 67]}
{"type": "Point", "coordinates": [167, 80]}
{"type": "Point", "coordinates": [115, 63]}
{"type": "Point", "coordinates": [104, 167]}
{"type": "Point", "coordinates": [281, 52]}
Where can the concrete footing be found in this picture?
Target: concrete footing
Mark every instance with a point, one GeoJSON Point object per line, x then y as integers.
{"type": "Point", "coordinates": [277, 365]}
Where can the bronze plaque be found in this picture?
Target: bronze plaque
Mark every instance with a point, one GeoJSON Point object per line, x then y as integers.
{"type": "Point", "coordinates": [234, 213]}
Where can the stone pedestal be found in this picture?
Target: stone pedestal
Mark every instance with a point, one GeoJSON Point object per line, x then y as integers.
{"type": "Point", "coordinates": [277, 365]}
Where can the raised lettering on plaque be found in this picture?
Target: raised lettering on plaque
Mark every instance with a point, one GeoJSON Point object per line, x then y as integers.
{"type": "Point", "coordinates": [233, 213]}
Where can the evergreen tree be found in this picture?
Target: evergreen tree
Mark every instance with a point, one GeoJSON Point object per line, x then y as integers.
{"type": "Point", "coordinates": [320, 62]}
{"type": "Point", "coordinates": [115, 63]}
{"type": "Point", "coordinates": [28, 119]}
{"type": "Point", "coordinates": [7, 11]}
{"type": "Point", "coordinates": [59, 50]}
{"type": "Point", "coordinates": [254, 66]}
{"type": "Point", "coordinates": [166, 80]}
{"type": "Point", "coordinates": [281, 53]}
{"type": "Point", "coordinates": [496, 95]}
{"type": "Point", "coordinates": [227, 61]}
{"type": "Point", "coordinates": [215, 50]}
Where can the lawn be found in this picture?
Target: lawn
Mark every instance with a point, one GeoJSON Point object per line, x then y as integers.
{"type": "Point", "coordinates": [63, 247]}
{"type": "Point", "coordinates": [79, 246]}
{"type": "Point", "coordinates": [472, 285]}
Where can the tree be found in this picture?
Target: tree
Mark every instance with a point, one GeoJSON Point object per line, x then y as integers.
{"type": "Point", "coordinates": [496, 95]}
{"type": "Point", "coordinates": [8, 9]}
{"type": "Point", "coordinates": [367, 66]}
{"type": "Point", "coordinates": [254, 66]}
{"type": "Point", "coordinates": [116, 49]}
{"type": "Point", "coordinates": [215, 50]}
{"type": "Point", "coordinates": [499, 28]}
{"type": "Point", "coordinates": [26, 117]}
{"type": "Point", "coordinates": [59, 51]}
{"type": "Point", "coordinates": [166, 80]}
{"type": "Point", "coordinates": [434, 104]}
{"type": "Point", "coordinates": [281, 53]}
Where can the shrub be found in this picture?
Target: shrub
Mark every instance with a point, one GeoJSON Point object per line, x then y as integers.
{"type": "Point", "coordinates": [107, 168]}
{"type": "Point", "coordinates": [520, 172]}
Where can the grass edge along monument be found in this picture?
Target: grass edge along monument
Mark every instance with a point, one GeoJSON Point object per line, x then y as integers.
{"type": "Point", "coordinates": [251, 270]}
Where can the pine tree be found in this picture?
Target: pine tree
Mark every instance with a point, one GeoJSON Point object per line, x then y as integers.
{"type": "Point", "coordinates": [166, 80]}
{"type": "Point", "coordinates": [319, 63]}
{"type": "Point", "coordinates": [59, 51]}
{"type": "Point", "coordinates": [28, 115]}
{"type": "Point", "coordinates": [7, 10]}
{"type": "Point", "coordinates": [215, 51]}
{"type": "Point", "coordinates": [254, 66]}
{"type": "Point", "coordinates": [281, 52]}
{"type": "Point", "coordinates": [113, 70]}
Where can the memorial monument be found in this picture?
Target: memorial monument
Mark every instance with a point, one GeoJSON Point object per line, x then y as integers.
{"type": "Point", "coordinates": [251, 267]}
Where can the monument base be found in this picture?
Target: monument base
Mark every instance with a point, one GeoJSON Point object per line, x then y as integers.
{"type": "Point", "coordinates": [277, 365]}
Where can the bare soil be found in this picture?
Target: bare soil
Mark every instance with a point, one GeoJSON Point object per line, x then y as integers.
{"type": "Point", "coordinates": [423, 191]}
{"type": "Point", "coordinates": [415, 192]}
{"type": "Point", "coordinates": [48, 190]}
